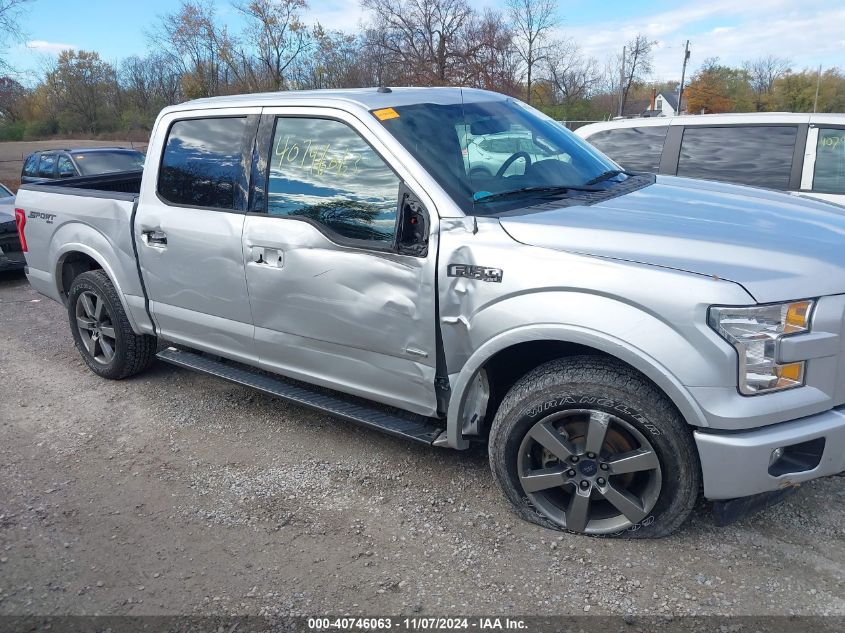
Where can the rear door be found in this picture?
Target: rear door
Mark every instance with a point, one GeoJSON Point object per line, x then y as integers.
{"type": "Point", "coordinates": [188, 230]}
{"type": "Point", "coordinates": [335, 301]}
{"type": "Point", "coordinates": [760, 155]}
{"type": "Point", "coordinates": [65, 167]}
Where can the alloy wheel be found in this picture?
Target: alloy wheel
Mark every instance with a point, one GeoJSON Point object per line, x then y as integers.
{"type": "Point", "coordinates": [96, 329]}
{"type": "Point", "coordinates": [589, 471]}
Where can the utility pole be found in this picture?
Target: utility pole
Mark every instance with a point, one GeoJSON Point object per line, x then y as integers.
{"type": "Point", "coordinates": [683, 76]}
{"type": "Point", "coordinates": [818, 84]}
{"type": "Point", "coordinates": [622, 83]}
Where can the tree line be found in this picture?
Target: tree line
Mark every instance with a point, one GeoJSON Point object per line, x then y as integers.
{"type": "Point", "coordinates": [517, 50]}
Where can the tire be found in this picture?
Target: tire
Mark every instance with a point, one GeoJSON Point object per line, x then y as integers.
{"type": "Point", "coordinates": [581, 403]}
{"type": "Point", "coordinates": [102, 332]}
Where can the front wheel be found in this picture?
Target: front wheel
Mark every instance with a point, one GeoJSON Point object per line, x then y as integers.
{"type": "Point", "coordinates": [588, 445]}
{"type": "Point", "coordinates": [101, 329]}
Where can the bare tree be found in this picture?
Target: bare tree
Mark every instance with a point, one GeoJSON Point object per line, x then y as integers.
{"type": "Point", "coordinates": [572, 75]}
{"type": "Point", "coordinates": [532, 21]}
{"type": "Point", "coordinates": [763, 72]}
{"type": "Point", "coordinates": [278, 36]}
{"type": "Point", "coordinates": [636, 65]}
{"type": "Point", "coordinates": [10, 14]}
{"type": "Point", "coordinates": [148, 84]}
{"type": "Point", "coordinates": [197, 46]}
{"type": "Point", "coordinates": [422, 39]}
{"type": "Point", "coordinates": [492, 60]}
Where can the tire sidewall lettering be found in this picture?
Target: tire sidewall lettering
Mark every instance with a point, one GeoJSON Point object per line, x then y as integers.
{"type": "Point", "coordinates": [570, 402]}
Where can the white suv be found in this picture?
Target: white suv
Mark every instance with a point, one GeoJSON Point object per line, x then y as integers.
{"type": "Point", "coordinates": [798, 153]}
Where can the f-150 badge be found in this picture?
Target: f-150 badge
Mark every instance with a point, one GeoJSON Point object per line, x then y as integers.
{"type": "Point", "coordinates": [482, 273]}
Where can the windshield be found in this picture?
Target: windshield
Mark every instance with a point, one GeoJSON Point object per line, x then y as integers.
{"type": "Point", "coordinates": [5, 193]}
{"type": "Point", "coordinates": [106, 162]}
{"type": "Point", "coordinates": [498, 155]}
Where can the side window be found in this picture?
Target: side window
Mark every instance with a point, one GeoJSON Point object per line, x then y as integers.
{"type": "Point", "coordinates": [829, 173]}
{"type": "Point", "coordinates": [46, 165]}
{"type": "Point", "coordinates": [66, 168]}
{"type": "Point", "coordinates": [202, 163]}
{"type": "Point", "coordinates": [29, 167]}
{"type": "Point", "coordinates": [634, 148]}
{"type": "Point", "coordinates": [746, 155]}
{"type": "Point", "coordinates": [323, 171]}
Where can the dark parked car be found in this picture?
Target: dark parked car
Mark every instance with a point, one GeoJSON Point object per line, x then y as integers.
{"type": "Point", "coordinates": [11, 257]}
{"type": "Point", "coordinates": [53, 164]}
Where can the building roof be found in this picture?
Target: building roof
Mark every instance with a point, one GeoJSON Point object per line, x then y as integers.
{"type": "Point", "coordinates": [636, 107]}
{"type": "Point", "coordinates": [671, 98]}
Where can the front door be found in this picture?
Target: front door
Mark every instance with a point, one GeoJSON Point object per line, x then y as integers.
{"type": "Point", "coordinates": [334, 302]}
{"type": "Point", "coordinates": [188, 232]}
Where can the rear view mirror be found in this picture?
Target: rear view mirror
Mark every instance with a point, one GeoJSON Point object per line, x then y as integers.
{"type": "Point", "coordinates": [485, 127]}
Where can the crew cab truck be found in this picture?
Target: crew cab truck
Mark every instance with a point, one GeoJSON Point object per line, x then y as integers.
{"type": "Point", "coordinates": [622, 342]}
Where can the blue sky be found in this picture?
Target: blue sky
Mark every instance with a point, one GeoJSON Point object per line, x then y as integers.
{"type": "Point", "coordinates": [809, 32]}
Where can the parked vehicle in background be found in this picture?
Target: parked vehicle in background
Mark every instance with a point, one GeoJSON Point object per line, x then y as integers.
{"type": "Point", "coordinates": [619, 342]}
{"type": "Point", "coordinates": [798, 153]}
{"type": "Point", "coordinates": [487, 154]}
{"type": "Point", "coordinates": [56, 164]}
{"type": "Point", "coordinates": [11, 255]}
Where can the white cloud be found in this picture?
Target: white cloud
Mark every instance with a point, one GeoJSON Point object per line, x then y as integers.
{"type": "Point", "coordinates": [341, 15]}
{"type": "Point", "coordinates": [808, 32]}
{"type": "Point", "coordinates": [53, 48]}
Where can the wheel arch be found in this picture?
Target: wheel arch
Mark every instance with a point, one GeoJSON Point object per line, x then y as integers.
{"type": "Point", "coordinates": [561, 340]}
{"type": "Point", "coordinates": [72, 259]}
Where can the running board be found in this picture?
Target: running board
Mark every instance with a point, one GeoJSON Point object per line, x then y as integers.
{"type": "Point", "coordinates": [395, 422]}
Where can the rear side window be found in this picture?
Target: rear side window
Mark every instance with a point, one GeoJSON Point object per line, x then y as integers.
{"type": "Point", "coordinates": [30, 166]}
{"type": "Point", "coordinates": [747, 155]}
{"type": "Point", "coordinates": [46, 165]}
{"type": "Point", "coordinates": [634, 148]}
{"type": "Point", "coordinates": [66, 168]}
{"type": "Point", "coordinates": [829, 174]}
{"type": "Point", "coordinates": [202, 163]}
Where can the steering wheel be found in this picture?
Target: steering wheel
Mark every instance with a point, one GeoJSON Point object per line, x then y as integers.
{"type": "Point", "coordinates": [511, 160]}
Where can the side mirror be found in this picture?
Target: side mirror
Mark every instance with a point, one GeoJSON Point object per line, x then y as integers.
{"type": "Point", "coordinates": [414, 225]}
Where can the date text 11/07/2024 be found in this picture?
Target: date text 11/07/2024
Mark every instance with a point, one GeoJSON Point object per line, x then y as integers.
{"type": "Point", "coordinates": [417, 624]}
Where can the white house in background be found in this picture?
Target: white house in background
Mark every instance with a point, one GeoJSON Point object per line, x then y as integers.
{"type": "Point", "coordinates": [666, 103]}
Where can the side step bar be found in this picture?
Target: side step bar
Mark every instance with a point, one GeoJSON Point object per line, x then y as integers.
{"type": "Point", "coordinates": [400, 423]}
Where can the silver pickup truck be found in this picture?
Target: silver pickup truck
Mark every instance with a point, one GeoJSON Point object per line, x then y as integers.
{"type": "Point", "coordinates": [451, 266]}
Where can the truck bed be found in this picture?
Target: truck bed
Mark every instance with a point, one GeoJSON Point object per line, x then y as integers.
{"type": "Point", "coordinates": [82, 219]}
{"type": "Point", "coordinates": [122, 185]}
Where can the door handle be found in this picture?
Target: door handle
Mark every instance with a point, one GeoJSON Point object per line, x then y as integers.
{"type": "Point", "coordinates": [273, 257]}
{"type": "Point", "coordinates": [154, 237]}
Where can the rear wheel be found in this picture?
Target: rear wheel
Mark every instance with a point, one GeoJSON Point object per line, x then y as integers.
{"type": "Point", "coordinates": [101, 329]}
{"type": "Point", "coordinates": [588, 445]}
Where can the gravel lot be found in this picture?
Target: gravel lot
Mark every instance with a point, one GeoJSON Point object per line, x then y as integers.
{"type": "Point", "coordinates": [175, 493]}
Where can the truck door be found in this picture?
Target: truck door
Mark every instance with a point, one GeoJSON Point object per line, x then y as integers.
{"type": "Point", "coordinates": [336, 300]}
{"type": "Point", "coordinates": [188, 230]}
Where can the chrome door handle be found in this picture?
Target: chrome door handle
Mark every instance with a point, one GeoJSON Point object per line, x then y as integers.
{"type": "Point", "coordinates": [154, 238]}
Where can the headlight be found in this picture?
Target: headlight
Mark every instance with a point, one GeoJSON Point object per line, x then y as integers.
{"type": "Point", "coordinates": [756, 332]}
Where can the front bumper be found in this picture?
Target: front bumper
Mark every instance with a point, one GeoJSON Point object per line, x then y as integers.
{"type": "Point", "coordinates": [738, 464]}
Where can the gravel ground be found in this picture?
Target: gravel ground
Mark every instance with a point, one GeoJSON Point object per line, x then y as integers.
{"type": "Point", "coordinates": [176, 493]}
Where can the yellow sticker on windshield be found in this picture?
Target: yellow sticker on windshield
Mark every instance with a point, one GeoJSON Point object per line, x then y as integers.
{"type": "Point", "coordinates": [386, 113]}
